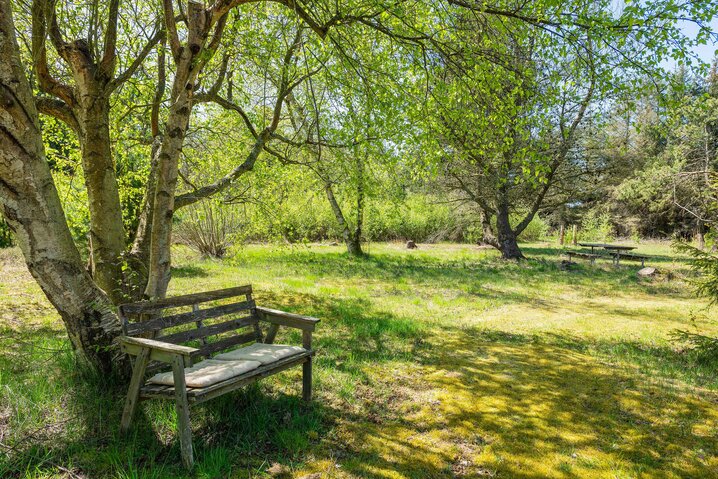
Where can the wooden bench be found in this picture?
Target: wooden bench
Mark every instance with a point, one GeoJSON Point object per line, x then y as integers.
{"type": "Point", "coordinates": [630, 257]}
{"type": "Point", "coordinates": [579, 254]}
{"type": "Point", "coordinates": [162, 336]}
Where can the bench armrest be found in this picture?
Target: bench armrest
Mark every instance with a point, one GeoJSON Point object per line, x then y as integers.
{"type": "Point", "coordinates": [132, 346]}
{"type": "Point", "coordinates": [305, 323]}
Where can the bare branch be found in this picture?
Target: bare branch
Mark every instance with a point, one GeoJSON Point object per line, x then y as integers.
{"type": "Point", "coordinates": [124, 76]}
{"type": "Point", "coordinates": [46, 81]}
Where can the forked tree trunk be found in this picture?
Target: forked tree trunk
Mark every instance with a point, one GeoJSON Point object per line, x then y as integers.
{"type": "Point", "coordinates": [32, 207]}
{"type": "Point", "coordinates": [85, 107]}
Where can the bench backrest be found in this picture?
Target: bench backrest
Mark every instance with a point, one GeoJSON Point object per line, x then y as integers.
{"type": "Point", "coordinates": [210, 321]}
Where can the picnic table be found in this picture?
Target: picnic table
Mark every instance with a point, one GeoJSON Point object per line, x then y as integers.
{"type": "Point", "coordinates": [617, 251]}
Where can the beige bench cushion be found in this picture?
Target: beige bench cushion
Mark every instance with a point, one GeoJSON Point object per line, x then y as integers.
{"type": "Point", "coordinates": [207, 372]}
{"type": "Point", "coordinates": [264, 353]}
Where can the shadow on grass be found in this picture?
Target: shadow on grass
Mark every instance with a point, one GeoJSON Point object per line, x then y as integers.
{"type": "Point", "coordinates": [188, 271]}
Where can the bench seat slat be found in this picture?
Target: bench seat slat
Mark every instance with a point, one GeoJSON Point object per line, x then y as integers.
{"type": "Point", "coordinates": [184, 318]}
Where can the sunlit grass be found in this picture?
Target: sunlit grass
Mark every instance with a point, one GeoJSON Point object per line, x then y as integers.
{"type": "Point", "coordinates": [439, 362]}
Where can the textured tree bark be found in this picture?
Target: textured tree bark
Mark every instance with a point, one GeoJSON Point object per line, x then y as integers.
{"type": "Point", "coordinates": [107, 233]}
{"type": "Point", "coordinates": [167, 159]}
{"type": "Point", "coordinates": [700, 237]}
{"type": "Point", "coordinates": [506, 236]}
{"type": "Point", "coordinates": [355, 247]}
{"type": "Point", "coordinates": [32, 207]}
{"type": "Point", "coordinates": [189, 60]}
{"type": "Point", "coordinates": [85, 107]}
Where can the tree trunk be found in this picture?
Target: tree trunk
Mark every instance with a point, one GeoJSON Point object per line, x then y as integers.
{"type": "Point", "coordinates": [506, 236]}
{"type": "Point", "coordinates": [189, 61]}
{"type": "Point", "coordinates": [355, 247]}
{"type": "Point", "coordinates": [139, 256]}
{"type": "Point", "coordinates": [167, 159]}
{"type": "Point", "coordinates": [700, 237]}
{"type": "Point", "coordinates": [562, 234]}
{"type": "Point", "coordinates": [32, 207]}
{"type": "Point", "coordinates": [352, 242]}
{"type": "Point", "coordinates": [107, 233]}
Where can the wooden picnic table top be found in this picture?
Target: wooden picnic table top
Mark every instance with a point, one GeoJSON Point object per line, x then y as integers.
{"type": "Point", "coordinates": [608, 246]}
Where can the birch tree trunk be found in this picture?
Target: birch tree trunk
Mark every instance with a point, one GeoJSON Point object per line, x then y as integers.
{"type": "Point", "coordinates": [32, 208]}
{"type": "Point", "coordinates": [107, 233]}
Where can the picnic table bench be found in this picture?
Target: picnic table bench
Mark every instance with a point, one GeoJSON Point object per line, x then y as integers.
{"type": "Point", "coordinates": [159, 342]}
{"type": "Point", "coordinates": [617, 256]}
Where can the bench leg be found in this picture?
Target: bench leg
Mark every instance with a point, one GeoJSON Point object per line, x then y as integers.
{"type": "Point", "coordinates": [307, 367]}
{"type": "Point", "coordinates": [133, 393]}
{"type": "Point", "coordinates": [307, 380]}
{"type": "Point", "coordinates": [182, 407]}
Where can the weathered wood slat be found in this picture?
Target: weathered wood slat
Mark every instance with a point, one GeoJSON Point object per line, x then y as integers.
{"type": "Point", "coordinates": [271, 334]}
{"type": "Point", "coordinates": [291, 320]}
{"type": "Point", "coordinates": [133, 393]}
{"type": "Point", "coordinates": [186, 300]}
{"type": "Point", "coordinates": [211, 330]}
{"type": "Point", "coordinates": [200, 323]}
{"type": "Point", "coordinates": [225, 343]}
{"type": "Point", "coordinates": [158, 324]}
{"type": "Point", "coordinates": [182, 407]}
{"type": "Point", "coordinates": [158, 345]}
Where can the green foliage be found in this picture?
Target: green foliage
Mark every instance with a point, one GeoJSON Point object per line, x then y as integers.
{"type": "Point", "coordinates": [422, 218]}
{"type": "Point", "coordinates": [596, 226]}
{"type": "Point", "coordinates": [536, 230]}
{"type": "Point", "coordinates": [706, 264]}
{"type": "Point", "coordinates": [703, 346]}
{"type": "Point", "coordinates": [5, 234]}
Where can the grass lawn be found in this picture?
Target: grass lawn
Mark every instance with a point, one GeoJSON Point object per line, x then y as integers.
{"type": "Point", "coordinates": [439, 362]}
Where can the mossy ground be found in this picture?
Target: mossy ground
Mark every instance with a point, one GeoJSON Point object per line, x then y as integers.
{"type": "Point", "coordinates": [433, 363]}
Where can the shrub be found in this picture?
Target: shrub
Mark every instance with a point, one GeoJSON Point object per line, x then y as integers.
{"type": "Point", "coordinates": [209, 228]}
{"type": "Point", "coordinates": [535, 231]}
{"type": "Point", "coordinates": [596, 226]}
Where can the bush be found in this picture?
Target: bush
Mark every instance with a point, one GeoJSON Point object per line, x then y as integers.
{"type": "Point", "coordinates": [535, 231]}
{"type": "Point", "coordinates": [209, 228]}
{"type": "Point", "coordinates": [596, 226]}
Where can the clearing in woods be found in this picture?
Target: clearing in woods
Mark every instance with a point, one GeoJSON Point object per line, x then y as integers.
{"type": "Point", "coordinates": [439, 362]}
